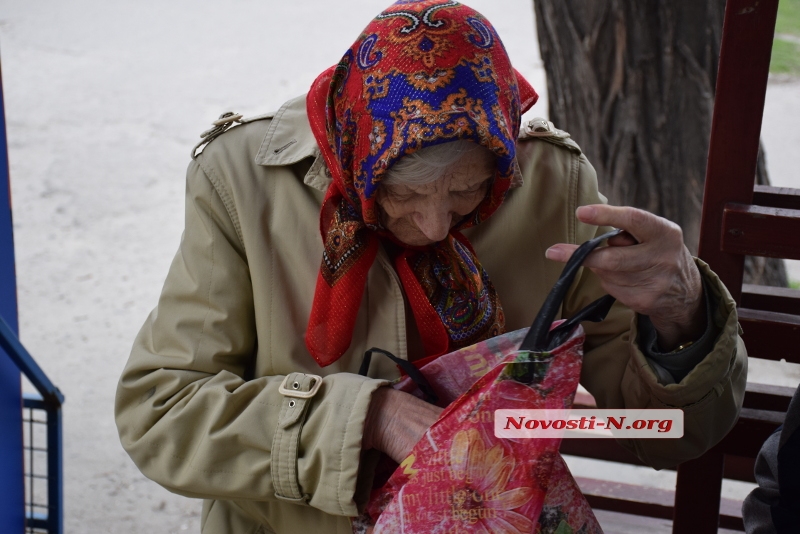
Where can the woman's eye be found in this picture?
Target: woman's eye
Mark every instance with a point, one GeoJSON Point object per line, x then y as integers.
{"type": "Point", "coordinates": [397, 196]}
{"type": "Point", "coordinates": [471, 190]}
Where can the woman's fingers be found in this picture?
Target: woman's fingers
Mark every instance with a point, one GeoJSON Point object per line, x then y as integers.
{"type": "Point", "coordinates": [647, 267]}
{"type": "Point", "coordinates": [611, 259]}
{"type": "Point", "coordinates": [622, 240]}
{"type": "Point", "coordinates": [560, 252]}
{"type": "Point", "coordinates": [645, 241]}
{"type": "Point", "coordinates": [640, 224]}
{"type": "Point", "coordinates": [396, 421]}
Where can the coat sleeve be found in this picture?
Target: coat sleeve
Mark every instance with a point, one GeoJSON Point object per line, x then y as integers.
{"type": "Point", "coordinates": [185, 412]}
{"type": "Point", "coordinates": [759, 503]}
{"type": "Point", "coordinates": [618, 375]}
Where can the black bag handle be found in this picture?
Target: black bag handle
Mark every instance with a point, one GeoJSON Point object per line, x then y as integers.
{"type": "Point", "coordinates": [407, 367]}
{"type": "Point", "coordinates": [540, 338]}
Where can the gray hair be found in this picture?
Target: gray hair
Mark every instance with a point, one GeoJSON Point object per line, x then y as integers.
{"type": "Point", "coordinates": [427, 165]}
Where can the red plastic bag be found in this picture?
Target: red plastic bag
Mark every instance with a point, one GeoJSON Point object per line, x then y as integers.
{"type": "Point", "coordinates": [461, 478]}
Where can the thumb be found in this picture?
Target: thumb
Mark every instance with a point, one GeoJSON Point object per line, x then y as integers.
{"type": "Point", "coordinates": [560, 252]}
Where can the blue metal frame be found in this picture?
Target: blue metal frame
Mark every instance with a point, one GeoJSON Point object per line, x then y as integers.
{"type": "Point", "coordinates": [13, 516]}
{"type": "Point", "coordinates": [12, 486]}
{"type": "Point", "coordinates": [52, 521]}
{"type": "Point", "coordinates": [50, 401]}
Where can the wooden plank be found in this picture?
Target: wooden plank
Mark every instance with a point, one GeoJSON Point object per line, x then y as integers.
{"type": "Point", "coordinates": [635, 499]}
{"type": "Point", "coordinates": [750, 432]}
{"type": "Point", "coordinates": [599, 449]}
{"type": "Point", "coordinates": [758, 397]}
{"type": "Point", "coordinates": [629, 507]}
{"type": "Point", "coordinates": [736, 127]}
{"type": "Point", "coordinates": [731, 523]}
{"type": "Point", "coordinates": [767, 397]}
{"type": "Point", "coordinates": [697, 494]}
{"type": "Point", "coordinates": [627, 498]}
{"type": "Point", "coordinates": [770, 335]}
{"type": "Point", "coordinates": [760, 231]}
{"type": "Point", "coordinates": [640, 500]}
{"type": "Point", "coordinates": [776, 197]}
{"type": "Point", "coordinates": [763, 412]}
{"type": "Point", "coordinates": [776, 299]}
{"type": "Point", "coordinates": [628, 492]}
{"type": "Point", "coordinates": [740, 468]}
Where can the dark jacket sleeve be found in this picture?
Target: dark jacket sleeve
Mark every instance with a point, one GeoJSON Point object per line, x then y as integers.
{"type": "Point", "coordinates": [774, 506]}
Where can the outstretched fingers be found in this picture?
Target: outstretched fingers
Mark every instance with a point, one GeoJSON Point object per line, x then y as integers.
{"type": "Point", "coordinates": [641, 225]}
{"type": "Point", "coordinates": [610, 259]}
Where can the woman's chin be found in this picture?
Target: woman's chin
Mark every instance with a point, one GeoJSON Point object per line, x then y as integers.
{"type": "Point", "coordinates": [416, 242]}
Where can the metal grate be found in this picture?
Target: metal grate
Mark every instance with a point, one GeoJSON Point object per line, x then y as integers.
{"type": "Point", "coordinates": [42, 457]}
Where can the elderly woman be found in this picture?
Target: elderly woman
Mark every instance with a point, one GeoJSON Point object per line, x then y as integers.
{"type": "Point", "coordinates": [440, 226]}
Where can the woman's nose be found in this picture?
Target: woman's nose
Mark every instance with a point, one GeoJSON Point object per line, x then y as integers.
{"type": "Point", "coordinates": [433, 222]}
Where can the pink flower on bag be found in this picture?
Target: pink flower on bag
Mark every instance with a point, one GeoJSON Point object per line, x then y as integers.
{"type": "Point", "coordinates": [484, 504]}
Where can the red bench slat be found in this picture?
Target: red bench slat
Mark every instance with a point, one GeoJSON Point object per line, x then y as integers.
{"type": "Point", "coordinates": [777, 299]}
{"type": "Point", "coordinates": [761, 231]}
{"type": "Point", "coordinates": [771, 335]}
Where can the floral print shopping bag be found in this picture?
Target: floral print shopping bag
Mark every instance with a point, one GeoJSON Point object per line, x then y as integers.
{"type": "Point", "coordinates": [461, 478]}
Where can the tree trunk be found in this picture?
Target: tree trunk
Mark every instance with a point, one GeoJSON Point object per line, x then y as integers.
{"type": "Point", "coordinates": [633, 82]}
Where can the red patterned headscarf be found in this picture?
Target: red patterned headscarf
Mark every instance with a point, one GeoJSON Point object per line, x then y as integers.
{"type": "Point", "coordinates": [423, 72]}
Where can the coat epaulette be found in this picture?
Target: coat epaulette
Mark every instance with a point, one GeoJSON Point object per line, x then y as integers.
{"type": "Point", "coordinates": [226, 121]}
{"type": "Point", "coordinates": [545, 130]}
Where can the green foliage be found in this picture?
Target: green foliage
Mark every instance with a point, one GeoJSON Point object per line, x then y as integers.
{"type": "Point", "coordinates": [785, 50]}
{"type": "Point", "coordinates": [785, 57]}
{"type": "Point", "coordinates": [788, 17]}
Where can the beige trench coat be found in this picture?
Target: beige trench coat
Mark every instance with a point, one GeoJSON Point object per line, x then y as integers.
{"type": "Point", "coordinates": [198, 406]}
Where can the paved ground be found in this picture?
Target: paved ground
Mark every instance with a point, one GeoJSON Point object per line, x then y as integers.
{"type": "Point", "coordinates": [104, 101]}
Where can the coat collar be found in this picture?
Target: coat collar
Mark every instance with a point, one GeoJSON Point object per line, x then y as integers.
{"type": "Point", "coordinates": [289, 140]}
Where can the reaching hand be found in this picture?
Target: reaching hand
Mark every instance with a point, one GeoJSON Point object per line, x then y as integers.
{"type": "Point", "coordinates": [648, 268]}
{"type": "Point", "coordinates": [396, 421]}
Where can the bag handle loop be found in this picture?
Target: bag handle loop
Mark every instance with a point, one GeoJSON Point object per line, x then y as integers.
{"type": "Point", "coordinates": [540, 338]}
{"type": "Point", "coordinates": [407, 367]}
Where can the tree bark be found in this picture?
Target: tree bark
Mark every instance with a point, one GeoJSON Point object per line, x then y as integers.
{"type": "Point", "coordinates": [633, 82]}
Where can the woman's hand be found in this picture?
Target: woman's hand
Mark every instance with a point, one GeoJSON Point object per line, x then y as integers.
{"type": "Point", "coordinates": [396, 421]}
{"type": "Point", "coordinates": [647, 268]}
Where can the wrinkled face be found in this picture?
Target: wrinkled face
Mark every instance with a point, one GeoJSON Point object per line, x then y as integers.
{"type": "Point", "coordinates": [420, 215]}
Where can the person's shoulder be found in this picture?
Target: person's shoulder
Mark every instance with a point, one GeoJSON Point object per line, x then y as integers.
{"type": "Point", "coordinates": [265, 141]}
{"type": "Point", "coordinates": [556, 175]}
{"type": "Point", "coordinates": [542, 130]}
{"type": "Point", "coordinates": [245, 157]}
{"type": "Point", "coordinates": [230, 130]}
{"type": "Point", "coordinates": [548, 157]}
